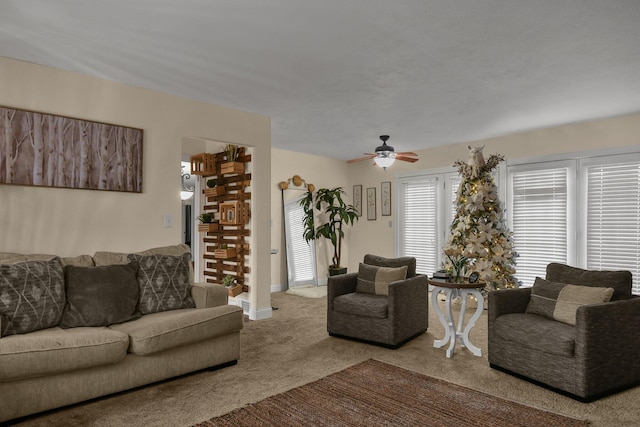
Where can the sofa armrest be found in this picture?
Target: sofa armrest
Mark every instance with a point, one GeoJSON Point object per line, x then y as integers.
{"type": "Point", "coordinates": [209, 295]}
{"type": "Point", "coordinates": [340, 285]}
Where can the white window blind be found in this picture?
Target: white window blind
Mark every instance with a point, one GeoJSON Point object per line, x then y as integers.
{"type": "Point", "coordinates": [453, 181]}
{"type": "Point", "coordinates": [613, 216]}
{"type": "Point", "coordinates": [418, 216]}
{"type": "Point", "coordinates": [301, 266]}
{"type": "Point", "coordinates": [538, 217]}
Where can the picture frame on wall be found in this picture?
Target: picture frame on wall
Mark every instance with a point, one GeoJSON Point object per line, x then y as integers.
{"type": "Point", "coordinates": [385, 198]}
{"type": "Point", "coordinates": [371, 203]}
{"type": "Point", "coordinates": [68, 152]}
{"type": "Point", "coordinates": [357, 198]}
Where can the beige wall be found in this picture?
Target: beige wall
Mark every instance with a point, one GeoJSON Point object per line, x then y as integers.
{"type": "Point", "coordinates": [376, 236]}
{"type": "Point", "coordinates": [72, 222]}
{"type": "Point", "coordinates": [322, 172]}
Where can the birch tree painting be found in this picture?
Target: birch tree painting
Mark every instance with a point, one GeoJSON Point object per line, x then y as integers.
{"type": "Point", "coordinates": [53, 151]}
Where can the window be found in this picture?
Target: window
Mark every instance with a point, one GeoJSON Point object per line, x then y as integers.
{"type": "Point", "coordinates": [612, 214]}
{"type": "Point", "coordinates": [418, 221]}
{"type": "Point", "coordinates": [301, 261]}
{"type": "Point", "coordinates": [426, 209]}
{"type": "Point", "coordinates": [538, 215]}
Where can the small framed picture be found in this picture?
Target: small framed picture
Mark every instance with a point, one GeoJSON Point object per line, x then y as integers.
{"type": "Point", "coordinates": [357, 198]}
{"type": "Point", "coordinates": [371, 203]}
{"type": "Point", "coordinates": [473, 277]}
{"type": "Point", "coordinates": [385, 198]}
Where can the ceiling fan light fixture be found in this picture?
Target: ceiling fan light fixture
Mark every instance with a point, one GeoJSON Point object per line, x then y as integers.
{"type": "Point", "coordinates": [384, 160]}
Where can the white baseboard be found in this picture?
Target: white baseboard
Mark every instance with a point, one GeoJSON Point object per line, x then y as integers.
{"type": "Point", "coordinates": [263, 313]}
{"type": "Point", "coordinates": [278, 288]}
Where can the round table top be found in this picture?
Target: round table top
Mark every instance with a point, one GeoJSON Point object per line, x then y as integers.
{"type": "Point", "coordinates": [442, 283]}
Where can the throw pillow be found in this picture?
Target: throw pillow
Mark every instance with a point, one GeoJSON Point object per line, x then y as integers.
{"type": "Point", "coordinates": [164, 282]}
{"type": "Point", "coordinates": [571, 297]}
{"type": "Point", "coordinates": [32, 296]}
{"type": "Point", "coordinates": [376, 280]}
{"type": "Point", "coordinates": [100, 296]}
{"type": "Point", "coordinates": [554, 301]}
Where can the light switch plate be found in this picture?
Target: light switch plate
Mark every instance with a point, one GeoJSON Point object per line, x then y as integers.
{"type": "Point", "coordinates": [168, 220]}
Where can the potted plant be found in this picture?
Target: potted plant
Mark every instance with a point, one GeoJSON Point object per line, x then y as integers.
{"type": "Point", "coordinates": [208, 222]}
{"type": "Point", "coordinates": [229, 282]}
{"type": "Point", "coordinates": [337, 214]}
{"type": "Point", "coordinates": [215, 187]}
{"type": "Point", "coordinates": [223, 251]}
{"type": "Point", "coordinates": [232, 165]}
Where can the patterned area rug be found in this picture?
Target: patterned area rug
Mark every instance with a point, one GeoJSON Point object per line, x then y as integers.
{"type": "Point", "coordinates": [374, 393]}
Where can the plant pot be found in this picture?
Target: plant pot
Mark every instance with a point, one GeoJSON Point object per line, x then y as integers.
{"type": "Point", "coordinates": [234, 290]}
{"type": "Point", "coordinates": [334, 271]}
{"type": "Point", "coordinates": [208, 227]}
{"type": "Point", "coordinates": [225, 253]}
{"type": "Point", "coordinates": [218, 190]}
{"type": "Point", "coordinates": [232, 167]}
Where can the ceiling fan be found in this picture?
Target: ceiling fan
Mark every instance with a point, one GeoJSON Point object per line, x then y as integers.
{"type": "Point", "coordinates": [385, 155]}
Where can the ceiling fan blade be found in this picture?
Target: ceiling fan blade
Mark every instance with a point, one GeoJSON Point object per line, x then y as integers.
{"type": "Point", "coordinates": [369, 157]}
{"type": "Point", "coordinates": [407, 153]}
{"type": "Point", "coordinates": [406, 159]}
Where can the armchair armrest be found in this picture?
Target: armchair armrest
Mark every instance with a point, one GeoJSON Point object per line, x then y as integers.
{"type": "Point", "coordinates": [506, 301]}
{"type": "Point", "coordinates": [209, 295]}
{"type": "Point", "coordinates": [340, 285]}
{"type": "Point", "coordinates": [608, 343]}
{"type": "Point", "coordinates": [408, 293]}
{"type": "Point", "coordinates": [610, 329]}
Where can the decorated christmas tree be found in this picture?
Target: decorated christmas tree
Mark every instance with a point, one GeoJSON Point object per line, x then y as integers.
{"type": "Point", "coordinates": [480, 240]}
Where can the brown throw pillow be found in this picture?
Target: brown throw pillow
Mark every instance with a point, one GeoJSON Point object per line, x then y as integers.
{"type": "Point", "coordinates": [376, 280]}
{"type": "Point", "coordinates": [31, 296]}
{"type": "Point", "coordinates": [164, 282]}
{"type": "Point", "coordinates": [100, 296]}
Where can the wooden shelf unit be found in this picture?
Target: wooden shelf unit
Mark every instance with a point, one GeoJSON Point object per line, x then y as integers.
{"type": "Point", "coordinates": [234, 236]}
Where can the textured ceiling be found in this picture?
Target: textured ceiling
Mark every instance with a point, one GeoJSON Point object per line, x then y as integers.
{"type": "Point", "coordinates": [335, 74]}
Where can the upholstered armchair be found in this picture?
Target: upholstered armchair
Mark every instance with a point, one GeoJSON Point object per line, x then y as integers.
{"type": "Point", "coordinates": [569, 338]}
{"type": "Point", "coordinates": [385, 303]}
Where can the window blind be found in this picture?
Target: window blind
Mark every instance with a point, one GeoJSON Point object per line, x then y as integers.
{"type": "Point", "coordinates": [538, 218]}
{"type": "Point", "coordinates": [419, 222]}
{"type": "Point", "coordinates": [613, 218]}
{"type": "Point", "coordinates": [300, 257]}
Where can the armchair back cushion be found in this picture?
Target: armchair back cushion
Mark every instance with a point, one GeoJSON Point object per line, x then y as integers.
{"type": "Point", "coordinates": [620, 281]}
{"type": "Point", "coordinates": [375, 280]}
{"type": "Point", "coordinates": [410, 262]}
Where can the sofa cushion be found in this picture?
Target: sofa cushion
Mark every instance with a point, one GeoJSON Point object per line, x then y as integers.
{"type": "Point", "coordinates": [559, 301]}
{"type": "Point", "coordinates": [620, 281]}
{"type": "Point", "coordinates": [109, 258]}
{"type": "Point", "coordinates": [375, 280]}
{"type": "Point", "coordinates": [32, 296]}
{"type": "Point", "coordinates": [12, 258]}
{"type": "Point", "coordinates": [100, 296]}
{"type": "Point", "coordinates": [362, 304]}
{"type": "Point", "coordinates": [56, 350]}
{"type": "Point", "coordinates": [164, 282]}
{"type": "Point", "coordinates": [164, 330]}
{"type": "Point", "coordinates": [537, 332]}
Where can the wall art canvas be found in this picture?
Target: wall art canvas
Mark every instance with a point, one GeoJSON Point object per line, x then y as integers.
{"type": "Point", "coordinates": [385, 198]}
{"type": "Point", "coordinates": [54, 151]}
{"type": "Point", "coordinates": [357, 198]}
{"type": "Point", "coordinates": [371, 203]}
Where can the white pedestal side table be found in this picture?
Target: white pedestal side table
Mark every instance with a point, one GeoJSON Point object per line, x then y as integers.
{"type": "Point", "coordinates": [451, 334]}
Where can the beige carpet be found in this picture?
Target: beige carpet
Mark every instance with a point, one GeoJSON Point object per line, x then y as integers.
{"type": "Point", "coordinates": [293, 349]}
{"type": "Point", "coordinates": [376, 394]}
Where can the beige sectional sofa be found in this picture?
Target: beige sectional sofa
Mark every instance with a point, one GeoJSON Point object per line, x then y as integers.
{"type": "Point", "coordinates": [54, 367]}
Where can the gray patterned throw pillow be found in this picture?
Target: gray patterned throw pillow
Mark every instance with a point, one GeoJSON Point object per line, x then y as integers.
{"type": "Point", "coordinates": [32, 296]}
{"type": "Point", "coordinates": [164, 282]}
